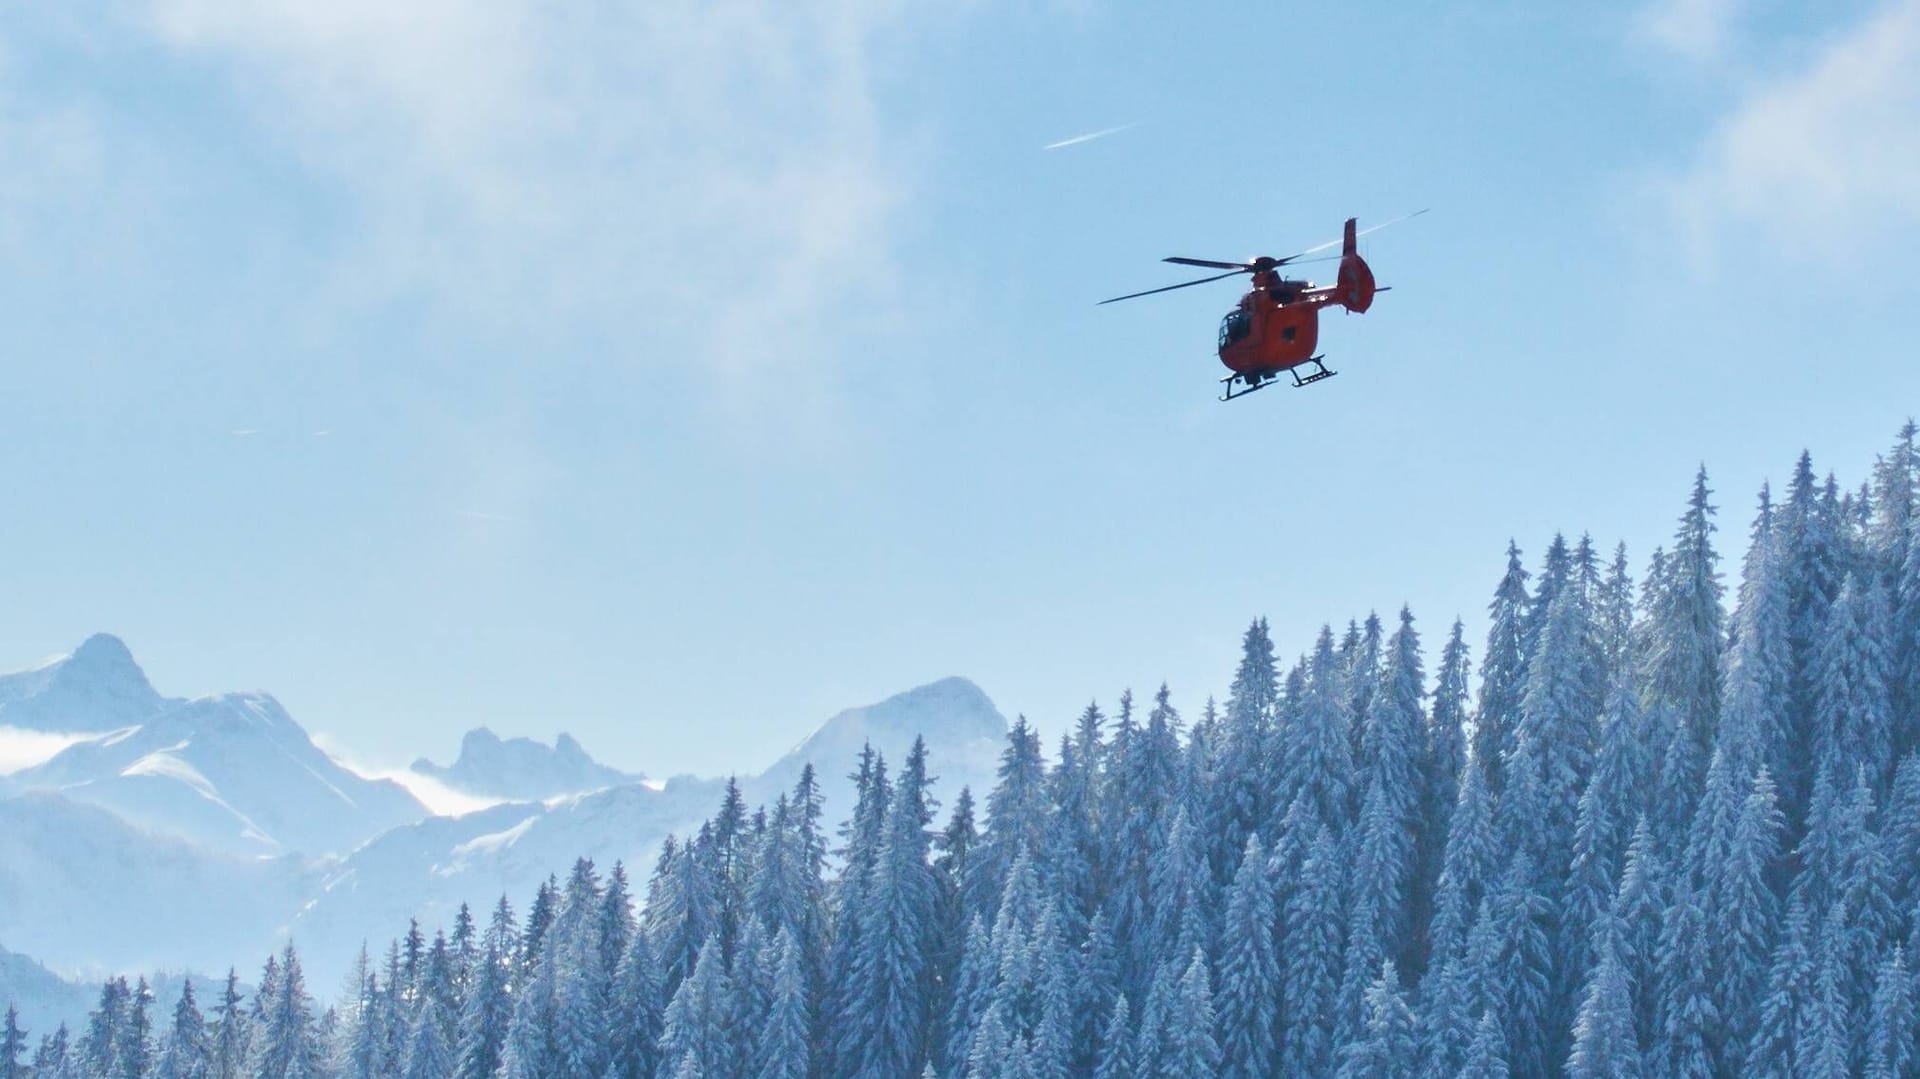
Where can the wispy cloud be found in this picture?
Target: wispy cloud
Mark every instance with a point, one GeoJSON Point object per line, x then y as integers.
{"type": "Point", "coordinates": [24, 749]}
{"type": "Point", "coordinates": [244, 432]}
{"type": "Point", "coordinates": [1696, 29]}
{"type": "Point", "coordinates": [594, 177]}
{"type": "Point", "coordinates": [1088, 137]}
{"type": "Point", "coordinates": [440, 799]}
{"type": "Point", "coordinates": [1821, 159]}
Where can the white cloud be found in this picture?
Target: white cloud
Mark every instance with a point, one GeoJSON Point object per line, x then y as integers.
{"type": "Point", "coordinates": [440, 799]}
{"type": "Point", "coordinates": [688, 180]}
{"type": "Point", "coordinates": [20, 749]}
{"type": "Point", "coordinates": [1697, 29]}
{"type": "Point", "coordinates": [1816, 162]}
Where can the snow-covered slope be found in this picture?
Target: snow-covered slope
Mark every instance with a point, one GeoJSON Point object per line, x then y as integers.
{"type": "Point", "coordinates": [234, 773]}
{"type": "Point", "coordinates": [220, 819]}
{"type": "Point", "coordinates": [97, 688]}
{"type": "Point", "coordinates": [521, 769]}
{"type": "Point", "coordinates": [427, 869]}
{"type": "Point", "coordinates": [85, 892]}
{"type": "Point", "coordinates": [44, 998]}
{"type": "Point", "coordinates": [964, 731]}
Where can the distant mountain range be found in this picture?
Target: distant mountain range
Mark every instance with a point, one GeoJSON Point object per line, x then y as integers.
{"type": "Point", "coordinates": [219, 818]}
{"type": "Point", "coordinates": [521, 769]}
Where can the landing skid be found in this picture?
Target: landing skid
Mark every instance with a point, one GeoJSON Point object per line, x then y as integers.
{"type": "Point", "coordinates": [1255, 380]}
{"type": "Point", "coordinates": [1320, 371]}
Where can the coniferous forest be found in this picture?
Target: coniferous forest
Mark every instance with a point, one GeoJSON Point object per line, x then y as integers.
{"type": "Point", "coordinates": [1663, 821]}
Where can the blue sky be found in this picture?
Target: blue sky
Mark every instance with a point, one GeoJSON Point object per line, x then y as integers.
{"type": "Point", "coordinates": [676, 374]}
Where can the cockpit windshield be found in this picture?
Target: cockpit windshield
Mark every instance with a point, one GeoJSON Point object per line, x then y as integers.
{"type": "Point", "coordinates": [1235, 326]}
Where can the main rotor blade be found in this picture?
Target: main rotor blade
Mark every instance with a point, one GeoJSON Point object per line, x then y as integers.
{"type": "Point", "coordinates": [1170, 288]}
{"type": "Point", "coordinates": [1316, 249]}
{"type": "Point", "coordinates": [1209, 264]}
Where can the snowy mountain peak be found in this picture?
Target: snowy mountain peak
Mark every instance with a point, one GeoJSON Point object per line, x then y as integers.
{"type": "Point", "coordinates": [521, 769]}
{"type": "Point", "coordinates": [949, 710]}
{"type": "Point", "coordinates": [233, 772]}
{"type": "Point", "coordinates": [963, 730]}
{"type": "Point", "coordinates": [97, 687]}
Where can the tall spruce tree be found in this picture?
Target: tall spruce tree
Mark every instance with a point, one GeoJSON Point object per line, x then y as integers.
{"type": "Point", "coordinates": [1503, 671]}
{"type": "Point", "coordinates": [186, 1053]}
{"type": "Point", "coordinates": [1249, 971]}
{"type": "Point", "coordinates": [1605, 1043]}
{"type": "Point", "coordinates": [1891, 1020]}
{"type": "Point", "coordinates": [1388, 1045]}
{"type": "Point", "coordinates": [13, 1046]}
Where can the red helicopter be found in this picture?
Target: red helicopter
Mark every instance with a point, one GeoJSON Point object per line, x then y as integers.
{"type": "Point", "coordinates": [1277, 323]}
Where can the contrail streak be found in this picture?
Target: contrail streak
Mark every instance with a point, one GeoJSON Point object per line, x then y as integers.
{"type": "Point", "coordinates": [1088, 137]}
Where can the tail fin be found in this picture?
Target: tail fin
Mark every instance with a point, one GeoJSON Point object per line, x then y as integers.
{"type": "Point", "coordinates": [1348, 242]}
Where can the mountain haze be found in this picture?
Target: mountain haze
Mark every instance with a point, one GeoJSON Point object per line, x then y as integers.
{"type": "Point", "coordinates": [221, 819]}
{"type": "Point", "coordinates": [522, 769]}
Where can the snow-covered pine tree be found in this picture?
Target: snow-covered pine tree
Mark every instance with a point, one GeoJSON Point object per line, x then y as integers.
{"type": "Point", "coordinates": [1095, 991]}
{"type": "Point", "coordinates": [1554, 741]}
{"type": "Point", "coordinates": [1311, 960]}
{"type": "Point", "coordinates": [1600, 837]}
{"type": "Point", "coordinates": [1320, 763]}
{"type": "Point", "coordinates": [1605, 1043]}
{"type": "Point", "coordinates": [1853, 721]}
{"type": "Point", "coordinates": [1178, 887]}
{"type": "Point", "coordinates": [1248, 1002]}
{"type": "Point", "coordinates": [1445, 769]}
{"type": "Point", "coordinates": [1388, 1045]}
{"type": "Point", "coordinates": [136, 1036]}
{"type": "Point", "coordinates": [1017, 812]}
{"type": "Point", "coordinates": [1825, 1041]}
{"type": "Point", "coordinates": [972, 996]}
{"type": "Point", "coordinates": [1775, 1051]}
{"type": "Point", "coordinates": [1684, 633]}
{"type": "Point", "coordinates": [698, 1024]}
{"type": "Point", "coordinates": [13, 1046]}
{"type": "Point", "coordinates": [106, 1027]}
{"type": "Point", "coordinates": [1240, 802]}
{"type": "Point", "coordinates": [489, 1008]}
{"type": "Point", "coordinates": [428, 1054]}
{"type": "Point", "coordinates": [1891, 1019]}
{"type": "Point", "coordinates": [1742, 919]}
{"type": "Point", "coordinates": [288, 1048]}
{"type": "Point", "coordinates": [1689, 1026]}
{"type": "Point", "coordinates": [1522, 972]}
{"type": "Point", "coordinates": [1394, 745]}
{"type": "Point", "coordinates": [1116, 1045]}
{"type": "Point", "coordinates": [862, 836]}
{"type": "Point", "coordinates": [185, 1054]}
{"type": "Point", "coordinates": [634, 1013]}
{"type": "Point", "coordinates": [52, 1057]}
{"type": "Point", "coordinates": [1445, 1022]}
{"type": "Point", "coordinates": [1503, 671]}
{"type": "Point", "coordinates": [1072, 840]}
{"type": "Point", "coordinates": [883, 1030]}
{"type": "Point", "coordinates": [1188, 1047]}
{"type": "Point", "coordinates": [1470, 859]}
{"type": "Point", "coordinates": [783, 1044]}
{"type": "Point", "coordinates": [230, 1030]}
{"type": "Point", "coordinates": [1807, 533]}
{"type": "Point", "coordinates": [1487, 1055]}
